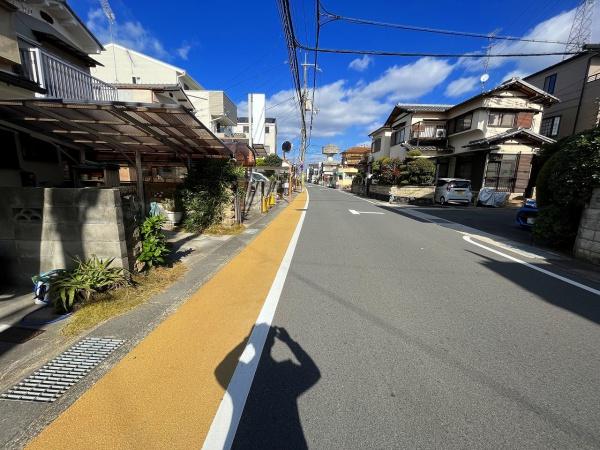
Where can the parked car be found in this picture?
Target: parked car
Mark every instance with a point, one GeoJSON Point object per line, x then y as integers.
{"type": "Point", "coordinates": [453, 190]}
{"type": "Point", "coordinates": [527, 214]}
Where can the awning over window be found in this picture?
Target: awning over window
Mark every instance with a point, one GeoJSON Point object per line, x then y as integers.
{"type": "Point", "coordinates": [115, 131]}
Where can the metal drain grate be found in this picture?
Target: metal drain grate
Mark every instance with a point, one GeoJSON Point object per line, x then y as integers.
{"type": "Point", "coordinates": [52, 380]}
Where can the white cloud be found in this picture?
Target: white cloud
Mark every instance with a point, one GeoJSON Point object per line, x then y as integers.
{"type": "Point", "coordinates": [461, 86]}
{"type": "Point", "coordinates": [184, 51]}
{"type": "Point", "coordinates": [130, 34]}
{"type": "Point", "coordinates": [343, 106]}
{"type": "Point", "coordinates": [360, 64]}
{"type": "Point", "coordinates": [556, 28]}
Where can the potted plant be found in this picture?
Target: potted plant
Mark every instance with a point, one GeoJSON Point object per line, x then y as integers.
{"type": "Point", "coordinates": [170, 207]}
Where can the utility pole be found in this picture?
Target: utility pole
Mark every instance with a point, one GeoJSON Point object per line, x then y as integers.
{"type": "Point", "coordinates": [306, 105]}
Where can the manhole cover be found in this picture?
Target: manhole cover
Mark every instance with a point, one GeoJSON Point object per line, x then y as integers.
{"type": "Point", "coordinates": [18, 335]}
{"type": "Point", "coordinates": [52, 380]}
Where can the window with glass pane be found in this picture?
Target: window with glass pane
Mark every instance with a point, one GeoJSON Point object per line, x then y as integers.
{"type": "Point", "coordinates": [550, 126]}
{"type": "Point", "coordinates": [555, 126]}
{"type": "Point", "coordinates": [376, 145]}
{"type": "Point", "coordinates": [398, 136]}
{"type": "Point", "coordinates": [501, 119]}
{"type": "Point", "coordinates": [464, 122]}
{"type": "Point", "coordinates": [550, 83]}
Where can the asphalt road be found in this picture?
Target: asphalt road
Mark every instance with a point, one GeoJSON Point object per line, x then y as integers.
{"type": "Point", "coordinates": [394, 333]}
{"type": "Point", "coordinates": [498, 221]}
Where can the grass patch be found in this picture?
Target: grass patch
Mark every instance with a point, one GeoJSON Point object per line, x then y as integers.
{"type": "Point", "coordinates": [222, 230]}
{"type": "Point", "coordinates": [113, 303]}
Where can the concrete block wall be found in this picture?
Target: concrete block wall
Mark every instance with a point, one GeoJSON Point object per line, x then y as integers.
{"type": "Point", "coordinates": [587, 244]}
{"type": "Point", "coordinates": [45, 228]}
{"type": "Point", "coordinates": [420, 192]}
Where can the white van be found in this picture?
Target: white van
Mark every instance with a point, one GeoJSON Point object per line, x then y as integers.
{"type": "Point", "coordinates": [453, 190]}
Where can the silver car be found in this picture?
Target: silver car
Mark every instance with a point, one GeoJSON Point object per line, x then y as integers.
{"type": "Point", "coordinates": [453, 190]}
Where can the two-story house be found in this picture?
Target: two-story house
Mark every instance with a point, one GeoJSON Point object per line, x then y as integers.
{"type": "Point", "coordinates": [380, 143]}
{"type": "Point", "coordinates": [44, 53]}
{"type": "Point", "coordinates": [489, 139]}
{"type": "Point", "coordinates": [576, 81]}
{"type": "Point", "coordinates": [355, 157]}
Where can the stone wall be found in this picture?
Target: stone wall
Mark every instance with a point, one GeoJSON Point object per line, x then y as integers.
{"type": "Point", "coordinates": [421, 194]}
{"type": "Point", "coordinates": [587, 244]}
{"type": "Point", "coordinates": [358, 189]}
{"type": "Point", "coordinates": [45, 228]}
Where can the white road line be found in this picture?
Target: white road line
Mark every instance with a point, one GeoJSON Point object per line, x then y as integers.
{"type": "Point", "coordinates": [353, 211]}
{"type": "Point", "coordinates": [224, 426]}
{"type": "Point", "coordinates": [531, 266]}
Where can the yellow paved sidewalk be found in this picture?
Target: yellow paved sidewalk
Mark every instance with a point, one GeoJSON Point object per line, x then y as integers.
{"type": "Point", "coordinates": [163, 394]}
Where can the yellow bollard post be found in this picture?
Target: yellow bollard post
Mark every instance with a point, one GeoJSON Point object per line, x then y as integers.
{"type": "Point", "coordinates": [272, 199]}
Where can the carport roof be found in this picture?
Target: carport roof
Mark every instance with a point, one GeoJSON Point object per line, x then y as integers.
{"type": "Point", "coordinates": [114, 130]}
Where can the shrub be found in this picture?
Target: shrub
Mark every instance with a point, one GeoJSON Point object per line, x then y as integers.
{"type": "Point", "coordinates": [272, 160]}
{"type": "Point", "coordinates": [154, 243]}
{"type": "Point", "coordinates": [88, 277]}
{"type": "Point", "coordinates": [413, 153]}
{"type": "Point", "coordinates": [420, 172]}
{"type": "Point", "coordinates": [387, 170]}
{"type": "Point", "coordinates": [207, 191]}
{"type": "Point", "coordinates": [564, 186]}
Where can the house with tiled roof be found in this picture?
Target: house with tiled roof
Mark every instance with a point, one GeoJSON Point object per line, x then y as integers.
{"type": "Point", "coordinates": [356, 157]}
{"type": "Point", "coordinates": [490, 138]}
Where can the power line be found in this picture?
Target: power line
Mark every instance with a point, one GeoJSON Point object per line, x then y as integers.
{"type": "Point", "coordinates": [361, 21]}
{"type": "Point", "coordinates": [315, 68]}
{"type": "Point", "coordinates": [293, 97]}
{"type": "Point", "coordinates": [288, 29]}
{"type": "Point", "coordinates": [430, 55]}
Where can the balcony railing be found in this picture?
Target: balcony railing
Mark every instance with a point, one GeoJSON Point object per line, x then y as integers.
{"type": "Point", "coordinates": [61, 79]}
{"type": "Point", "coordinates": [427, 131]}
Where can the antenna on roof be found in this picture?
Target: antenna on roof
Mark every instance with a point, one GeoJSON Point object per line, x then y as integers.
{"type": "Point", "coordinates": [486, 60]}
{"type": "Point", "coordinates": [581, 29]}
{"type": "Point", "coordinates": [110, 16]}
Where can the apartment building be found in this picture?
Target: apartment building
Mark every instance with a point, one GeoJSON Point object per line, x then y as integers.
{"type": "Point", "coordinates": [142, 78]}
{"type": "Point", "coordinates": [576, 82]}
{"type": "Point", "coordinates": [489, 138]}
{"type": "Point", "coordinates": [242, 130]}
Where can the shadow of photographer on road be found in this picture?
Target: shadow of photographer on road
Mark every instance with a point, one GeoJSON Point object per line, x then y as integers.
{"type": "Point", "coordinates": [270, 418]}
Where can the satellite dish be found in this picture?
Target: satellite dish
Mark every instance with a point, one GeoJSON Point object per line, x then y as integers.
{"type": "Point", "coordinates": [484, 78]}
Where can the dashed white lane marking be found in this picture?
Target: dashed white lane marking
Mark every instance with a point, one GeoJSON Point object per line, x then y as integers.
{"type": "Point", "coordinates": [531, 266]}
{"type": "Point", "coordinates": [224, 426]}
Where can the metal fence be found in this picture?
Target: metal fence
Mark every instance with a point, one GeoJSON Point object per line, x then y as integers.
{"type": "Point", "coordinates": [63, 80]}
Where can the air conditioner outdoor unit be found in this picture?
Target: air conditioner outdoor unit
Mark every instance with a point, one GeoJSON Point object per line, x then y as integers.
{"type": "Point", "coordinates": [440, 133]}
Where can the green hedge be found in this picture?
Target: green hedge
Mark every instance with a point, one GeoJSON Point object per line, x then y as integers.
{"type": "Point", "coordinates": [564, 185]}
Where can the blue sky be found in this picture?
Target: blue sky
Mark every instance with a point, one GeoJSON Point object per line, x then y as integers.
{"type": "Point", "coordinates": [238, 46]}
